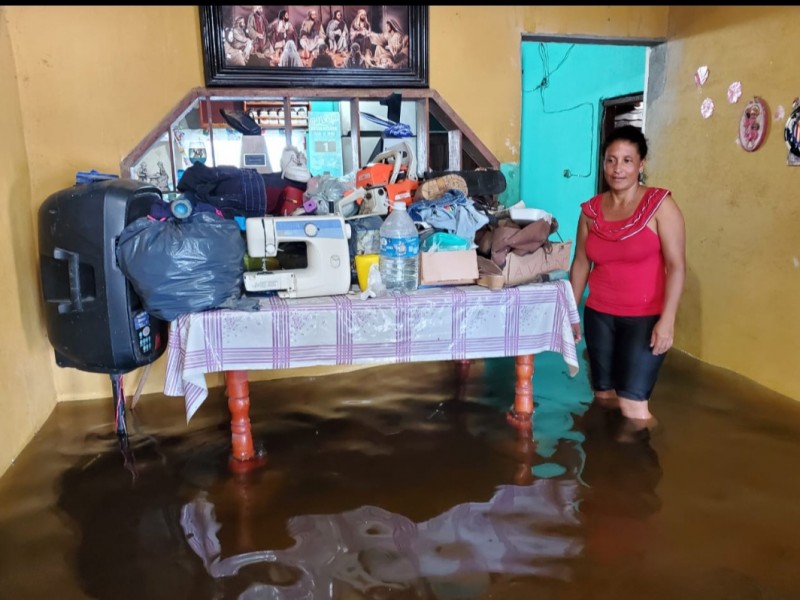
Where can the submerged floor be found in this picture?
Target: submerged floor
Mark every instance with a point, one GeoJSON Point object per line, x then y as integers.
{"type": "Point", "coordinates": [383, 484]}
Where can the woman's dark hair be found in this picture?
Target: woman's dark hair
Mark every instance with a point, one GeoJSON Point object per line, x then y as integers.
{"type": "Point", "coordinates": [627, 133]}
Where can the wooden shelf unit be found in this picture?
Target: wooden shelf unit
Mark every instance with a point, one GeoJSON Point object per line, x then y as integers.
{"type": "Point", "coordinates": [463, 148]}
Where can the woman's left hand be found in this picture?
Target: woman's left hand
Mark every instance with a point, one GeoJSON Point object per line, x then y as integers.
{"type": "Point", "coordinates": [661, 338]}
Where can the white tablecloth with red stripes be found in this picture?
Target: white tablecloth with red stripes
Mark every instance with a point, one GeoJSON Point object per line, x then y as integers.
{"type": "Point", "coordinates": [444, 323]}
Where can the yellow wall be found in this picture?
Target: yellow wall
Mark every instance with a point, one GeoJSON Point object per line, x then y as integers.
{"type": "Point", "coordinates": [28, 394]}
{"type": "Point", "coordinates": [93, 82]}
{"type": "Point", "coordinates": [742, 209]}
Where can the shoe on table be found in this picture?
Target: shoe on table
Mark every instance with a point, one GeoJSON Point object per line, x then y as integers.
{"type": "Point", "coordinates": [480, 182]}
{"type": "Point", "coordinates": [294, 165]}
{"type": "Point", "coordinates": [438, 186]}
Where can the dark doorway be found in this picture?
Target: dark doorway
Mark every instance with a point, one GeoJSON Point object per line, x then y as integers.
{"type": "Point", "coordinates": [622, 110]}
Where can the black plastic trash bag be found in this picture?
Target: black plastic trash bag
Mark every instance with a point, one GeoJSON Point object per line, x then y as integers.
{"type": "Point", "coordinates": [184, 266]}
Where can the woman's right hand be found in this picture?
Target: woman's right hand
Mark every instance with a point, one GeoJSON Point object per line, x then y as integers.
{"type": "Point", "coordinates": [576, 332]}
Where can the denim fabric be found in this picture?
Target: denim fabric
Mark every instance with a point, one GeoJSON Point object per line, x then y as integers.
{"type": "Point", "coordinates": [453, 212]}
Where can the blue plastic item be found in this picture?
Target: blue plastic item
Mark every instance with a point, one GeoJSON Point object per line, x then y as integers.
{"type": "Point", "coordinates": [181, 209]}
{"type": "Point", "coordinates": [92, 176]}
{"type": "Point", "coordinates": [442, 241]}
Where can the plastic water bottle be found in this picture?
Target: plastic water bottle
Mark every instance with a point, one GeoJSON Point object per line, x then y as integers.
{"type": "Point", "coordinates": [399, 254]}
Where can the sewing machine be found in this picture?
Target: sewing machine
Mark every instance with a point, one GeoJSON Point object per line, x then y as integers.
{"type": "Point", "coordinates": [328, 271]}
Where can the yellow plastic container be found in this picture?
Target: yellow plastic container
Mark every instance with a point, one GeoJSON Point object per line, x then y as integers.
{"type": "Point", "coordinates": [363, 264]}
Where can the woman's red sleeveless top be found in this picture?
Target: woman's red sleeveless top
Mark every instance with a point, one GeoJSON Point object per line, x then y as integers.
{"type": "Point", "coordinates": [628, 274]}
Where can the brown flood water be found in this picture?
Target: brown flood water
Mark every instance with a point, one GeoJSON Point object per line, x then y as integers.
{"type": "Point", "coordinates": [393, 483]}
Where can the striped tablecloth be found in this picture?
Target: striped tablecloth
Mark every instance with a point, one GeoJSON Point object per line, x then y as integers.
{"type": "Point", "coordinates": [445, 323]}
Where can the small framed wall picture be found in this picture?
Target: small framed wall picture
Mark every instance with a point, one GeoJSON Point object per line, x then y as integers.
{"type": "Point", "coordinates": [753, 124]}
{"type": "Point", "coordinates": [791, 135]}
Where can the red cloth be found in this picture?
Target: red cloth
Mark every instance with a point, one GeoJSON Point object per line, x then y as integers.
{"type": "Point", "coordinates": [628, 274]}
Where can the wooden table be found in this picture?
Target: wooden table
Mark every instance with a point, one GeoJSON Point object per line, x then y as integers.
{"type": "Point", "coordinates": [457, 323]}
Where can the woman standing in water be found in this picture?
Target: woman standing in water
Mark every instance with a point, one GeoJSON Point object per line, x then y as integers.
{"type": "Point", "coordinates": [630, 250]}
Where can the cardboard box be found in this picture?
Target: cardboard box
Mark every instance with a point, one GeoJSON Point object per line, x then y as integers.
{"type": "Point", "coordinates": [524, 269]}
{"type": "Point", "coordinates": [455, 267]}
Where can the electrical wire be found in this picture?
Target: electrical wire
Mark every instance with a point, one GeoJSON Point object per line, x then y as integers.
{"type": "Point", "coordinates": [119, 404]}
{"type": "Point", "coordinates": [544, 57]}
{"type": "Point", "coordinates": [140, 386]}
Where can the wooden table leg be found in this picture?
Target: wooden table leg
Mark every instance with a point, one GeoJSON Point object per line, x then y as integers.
{"type": "Point", "coordinates": [239, 407]}
{"type": "Point", "coordinates": [523, 393]}
{"type": "Point", "coordinates": [521, 416]}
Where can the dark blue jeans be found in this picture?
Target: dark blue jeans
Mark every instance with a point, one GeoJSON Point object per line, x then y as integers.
{"type": "Point", "coordinates": [620, 357]}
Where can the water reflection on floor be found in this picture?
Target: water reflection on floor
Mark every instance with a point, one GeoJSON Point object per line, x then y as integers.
{"type": "Point", "coordinates": [394, 483]}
